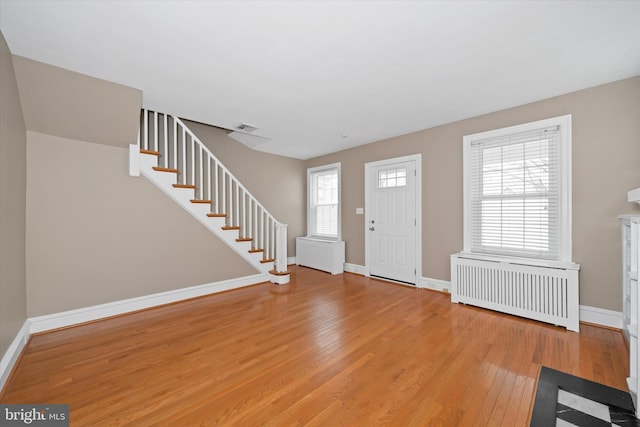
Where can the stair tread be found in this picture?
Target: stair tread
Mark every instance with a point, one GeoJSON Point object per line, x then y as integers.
{"type": "Point", "coordinates": [279, 273]}
{"type": "Point", "coordinates": [171, 154]}
{"type": "Point", "coordinates": [161, 169]}
{"type": "Point", "coordinates": [152, 152]}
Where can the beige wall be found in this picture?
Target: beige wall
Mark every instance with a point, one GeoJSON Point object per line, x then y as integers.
{"type": "Point", "coordinates": [96, 235]}
{"type": "Point", "coordinates": [606, 154]}
{"type": "Point", "coordinates": [86, 242]}
{"type": "Point", "coordinates": [277, 182]}
{"type": "Point", "coordinates": [63, 103]}
{"type": "Point", "coordinates": [13, 172]}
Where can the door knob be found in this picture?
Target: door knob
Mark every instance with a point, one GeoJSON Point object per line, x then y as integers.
{"type": "Point", "coordinates": [371, 228]}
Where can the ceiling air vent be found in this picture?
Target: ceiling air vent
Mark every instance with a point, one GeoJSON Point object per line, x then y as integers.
{"type": "Point", "coordinates": [246, 128]}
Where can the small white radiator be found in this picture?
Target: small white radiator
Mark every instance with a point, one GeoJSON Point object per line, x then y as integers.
{"type": "Point", "coordinates": [325, 255]}
{"type": "Point", "coordinates": [541, 293]}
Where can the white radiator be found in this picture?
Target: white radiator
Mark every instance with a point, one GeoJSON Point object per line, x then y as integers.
{"type": "Point", "coordinates": [540, 293]}
{"type": "Point", "coordinates": [326, 255]}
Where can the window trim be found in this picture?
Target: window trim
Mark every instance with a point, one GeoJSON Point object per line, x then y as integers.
{"type": "Point", "coordinates": [565, 215]}
{"type": "Point", "coordinates": [332, 166]}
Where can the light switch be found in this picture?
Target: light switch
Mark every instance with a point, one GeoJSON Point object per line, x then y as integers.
{"type": "Point", "coordinates": [359, 211]}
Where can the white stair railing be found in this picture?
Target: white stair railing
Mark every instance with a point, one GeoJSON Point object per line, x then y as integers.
{"type": "Point", "coordinates": [180, 150]}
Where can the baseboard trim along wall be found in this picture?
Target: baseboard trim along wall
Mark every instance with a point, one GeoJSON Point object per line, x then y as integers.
{"type": "Point", "coordinates": [13, 353]}
{"type": "Point", "coordinates": [96, 312]}
{"type": "Point", "coordinates": [82, 315]}
{"type": "Point", "coordinates": [434, 284]}
{"type": "Point", "coordinates": [594, 315]}
{"type": "Point", "coordinates": [600, 316]}
{"type": "Point", "coordinates": [354, 268]}
{"type": "Point", "coordinates": [423, 282]}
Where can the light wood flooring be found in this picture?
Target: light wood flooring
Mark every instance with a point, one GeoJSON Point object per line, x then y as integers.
{"type": "Point", "coordinates": [325, 350]}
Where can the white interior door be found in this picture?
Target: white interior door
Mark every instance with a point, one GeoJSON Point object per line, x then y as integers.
{"type": "Point", "coordinates": [391, 220]}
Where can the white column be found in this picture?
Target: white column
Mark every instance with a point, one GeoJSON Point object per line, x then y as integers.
{"type": "Point", "coordinates": [279, 274]}
{"type": "Point", "coordinates": [281, 248]}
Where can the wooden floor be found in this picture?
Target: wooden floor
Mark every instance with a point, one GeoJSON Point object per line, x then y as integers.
{"type": "Point", "coordinates": [324, 350]}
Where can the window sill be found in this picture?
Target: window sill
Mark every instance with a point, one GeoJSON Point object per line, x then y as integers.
{"type": "Point", "coordinates": [519, 260]}
{"type": "Point", "coordinates": [321, 239]}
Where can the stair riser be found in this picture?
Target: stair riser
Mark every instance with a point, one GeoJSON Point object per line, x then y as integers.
{"type": "Point", "coordinates": [184, 160]}
{"type": "Point", "coordinates": [165, 181]}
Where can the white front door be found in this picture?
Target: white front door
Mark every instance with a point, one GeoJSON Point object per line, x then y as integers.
{"type": "Point", "coordinates": [391, 220]}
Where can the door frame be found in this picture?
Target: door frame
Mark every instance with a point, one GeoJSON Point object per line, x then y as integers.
{"type": "Point", "coordinates": [418, 213]}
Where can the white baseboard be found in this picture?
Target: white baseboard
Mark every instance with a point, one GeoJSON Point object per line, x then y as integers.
{"type": "Point", "coordinates": [435, 284]}
{"type": "Point", "coordinates": [13, 352]}
{"type": "Point", "coordinates": [291, 260]}
{"type": "Point", "coordinates": [423, 282]}
{"type": "Point", "coordinates": [354, 268]}
{"type": "Point", "coordinates": [600, 316]}
{"type": "Point", "coordinates": [96, 312]}
{"type": "Point", "coordinates": [597, 316]}
{"type": "Point", "coordinates": [87, 314]}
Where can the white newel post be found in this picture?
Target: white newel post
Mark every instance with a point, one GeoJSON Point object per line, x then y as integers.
{"type": "Point", "coordinates": [280, 275]}
{"type": "Point", "coordinates": [134, 159]}
{"type": "Point", "coordinates": [134, 151]}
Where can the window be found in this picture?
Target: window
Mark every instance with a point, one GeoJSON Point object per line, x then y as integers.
{"type": "Point", "coordinates": [323, 201]}
{"type": "Point", "coordinates": [392, 178]}
{"type": "Point", "coordinates": [518, 191]}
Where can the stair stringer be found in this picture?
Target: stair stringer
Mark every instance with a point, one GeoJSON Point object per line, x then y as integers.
{"type": "Point", "coordinates": [165, 180]}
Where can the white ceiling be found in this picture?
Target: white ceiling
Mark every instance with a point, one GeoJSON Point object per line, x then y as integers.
{"type": "Point", "coordinates": [307, 72]}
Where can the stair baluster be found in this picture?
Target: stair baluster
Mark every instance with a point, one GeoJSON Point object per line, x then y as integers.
{"type": "Point", "coordinates": [179, 149]}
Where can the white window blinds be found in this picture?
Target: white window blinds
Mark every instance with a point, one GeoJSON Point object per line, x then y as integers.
{"type": "Point", "coordinates": [324, 202]}
{"type": "Point", "coordinates": [515, 194]}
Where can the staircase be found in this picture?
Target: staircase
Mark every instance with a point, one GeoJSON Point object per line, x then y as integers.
{"type": "Point", "coordinates": [175, 160]}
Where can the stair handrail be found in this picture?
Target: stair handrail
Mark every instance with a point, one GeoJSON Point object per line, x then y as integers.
{"type": "Point", "coordinates": [223, 167]}
{"type": "Point", "coordinates": [280, 242]}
